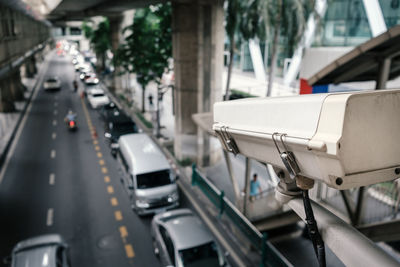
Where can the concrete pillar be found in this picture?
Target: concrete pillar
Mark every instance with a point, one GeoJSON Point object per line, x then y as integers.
{"type": "Point", "coordinates": [17, 88]}
{"type": "Point", "coordinates": [116, 38]}
{"type": "Point", "coordinates": [197, 39]}
{"type": "Point", "coordinates": [6, 98]}
{"type": "Point", "coordinates": [30, 66]}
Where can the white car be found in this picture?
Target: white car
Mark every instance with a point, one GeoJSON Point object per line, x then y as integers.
{"type": "Point", "coordinates": [52, 83]}
{"type": "Point", "coordinates": [97, 98]}
{"type": "Point", "coordinates": [91, 79]}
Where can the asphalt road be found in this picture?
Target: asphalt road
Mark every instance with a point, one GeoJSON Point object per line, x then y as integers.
{"type": "Point", "coordinates": [67, 182]}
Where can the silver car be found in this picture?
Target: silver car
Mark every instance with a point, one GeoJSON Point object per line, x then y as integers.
{"type": "Point", "coordinates": [52, 83]}
{"type": "Point", "coordinates": [45, 250]}
{"type": "Point", "coordinates": [180, 239]}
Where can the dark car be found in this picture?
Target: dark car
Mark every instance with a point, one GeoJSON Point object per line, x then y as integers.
{"type": "Point", "coordinates": [117, 125]}
{"type": "Point", "coordinates": [109, 110]}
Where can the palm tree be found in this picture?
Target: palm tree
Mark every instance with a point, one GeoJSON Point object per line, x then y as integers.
{"type": "Point", "coordinates": [279, 18]}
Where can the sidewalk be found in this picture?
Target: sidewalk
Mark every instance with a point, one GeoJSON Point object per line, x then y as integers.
{"type": "Point", "coordinates": [9, 121]}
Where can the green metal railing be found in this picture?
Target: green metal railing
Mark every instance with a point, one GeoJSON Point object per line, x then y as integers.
{"type": "Point", "coordinates": [269, 255]}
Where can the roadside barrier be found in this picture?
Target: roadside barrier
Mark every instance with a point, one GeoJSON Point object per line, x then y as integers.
{"type": "Point", "coordinates": [270, 256]}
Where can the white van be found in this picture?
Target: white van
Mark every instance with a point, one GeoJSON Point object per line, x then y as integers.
{"type": "Point", "coordinates": [148, 174]}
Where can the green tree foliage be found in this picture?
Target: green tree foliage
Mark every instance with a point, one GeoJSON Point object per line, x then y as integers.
{"type": "Point", "coordinates": [100, 38]}
{"type": "Point", "coordinates": [273, 19]}
{"type": "Point", "coordinates": [148, 45]}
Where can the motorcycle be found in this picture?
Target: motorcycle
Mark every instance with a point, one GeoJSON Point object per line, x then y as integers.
{"type": "Point", "coordinates": [71, 124]}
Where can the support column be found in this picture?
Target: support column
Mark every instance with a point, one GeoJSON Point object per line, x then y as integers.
{"type": "Point", "coordinates": [383, 75]}
{"type": "Point", "coordinates": [30, 67]}
{"type": "Point", "coordinates": [6, 101]}
{"type": "Point", "coordinates": [116, 36]}
{"type": "Point", "coordinates": [197, 39]}
{"type": "Point", "coordinates": [17, 88]}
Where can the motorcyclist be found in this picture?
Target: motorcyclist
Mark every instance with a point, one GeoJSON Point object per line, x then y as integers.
{"type": "Point", "coordinates": [75, 84]}
{"type": "Point", "coordinates": [71, 116]}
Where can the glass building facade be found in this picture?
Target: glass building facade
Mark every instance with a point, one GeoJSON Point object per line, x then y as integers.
{"type": "Point", "coordinates": [345, 24]}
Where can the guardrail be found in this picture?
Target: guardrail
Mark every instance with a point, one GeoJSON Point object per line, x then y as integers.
{"type": "Point", "coordinates": [269, 255]}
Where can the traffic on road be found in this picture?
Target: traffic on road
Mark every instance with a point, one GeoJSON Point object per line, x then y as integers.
{"type": "Point", "coordinates": [83, 183]}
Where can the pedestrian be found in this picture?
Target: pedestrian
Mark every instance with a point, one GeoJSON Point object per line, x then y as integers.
{"type": "Point", "coordinates": [255, 187]}
{"type": "Point", "coordinates": [150, 97]}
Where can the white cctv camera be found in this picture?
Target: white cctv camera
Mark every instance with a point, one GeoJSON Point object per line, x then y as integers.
{"type": "Point", "coordinates": [344, 140]}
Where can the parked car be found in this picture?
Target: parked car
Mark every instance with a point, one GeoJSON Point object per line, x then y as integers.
{"type": "Point", "coordinates": [52, 83]}
{"type": "Point", "coordinates": [109, 110]}
{"type": "Point", "coordinates": [97, 98]}
{"type": "Point", "coordinates": [91, 79]}
{"type": "Point", "coordinates": [116, 125]}
{"type": "Point", "coordinates": [46, 250]}
{"type": "Point", "coordinates": [181, 239]}
{"type": "Point", "coordinates": [147, 174]}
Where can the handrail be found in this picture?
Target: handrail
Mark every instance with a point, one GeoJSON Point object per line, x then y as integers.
{"type": "Point", "coordinates": [348, 244]}
{"type": "Point", "coordinates": [269, 255]}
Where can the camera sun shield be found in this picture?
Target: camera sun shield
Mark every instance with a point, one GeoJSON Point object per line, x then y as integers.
{"type": "Point", "coordinates": [344, 140]}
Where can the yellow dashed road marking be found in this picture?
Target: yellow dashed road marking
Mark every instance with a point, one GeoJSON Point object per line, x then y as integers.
{"type": "Point", "coordinates": [99, 155]}
{"type": "Point", "coordinates": [95, 142]}
{"type": "Point", "coordinates": [118, 215]}
{"type": "Point", "coordinates": [101, 162]}
{"type": "Point", "coordinates": [129, 251]}
{"type": "Point", "coordinates": [110, 189]}
{"type": "Point", "coordinates": [123, 232]}
{"type": "Point", "coordinates": [114, 201]}
{"type": "Point", "coordinates": [97, 148]}
{"type": "Point", "coordinates": [107, 179]}
{"type": "Point", "coordinates": [104, 170]}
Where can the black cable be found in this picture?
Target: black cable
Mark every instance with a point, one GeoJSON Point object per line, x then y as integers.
{"type": "Point", "coordinates": [312, 227]}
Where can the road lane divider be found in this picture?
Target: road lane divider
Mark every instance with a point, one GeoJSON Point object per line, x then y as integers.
{"type": "Point", "coordinates": [118, 215]}
{"type": "Point", "coordinates": [52, 179]}
{"type": "Point", "coordinates": [114, 201]}
{"type": "Point", "coordinates": [54, 123]}
{"type": "Point", "coordinates": [129, 251]}
{"type": "Point", "coordinates": [53, 136]}
{"type": "Point", "coordinates": [123, 232]}
{"type": "Point", "coordinates": [53, 154]}
{"type": "Point", "coordinates": [110, 189]}
{"type": "Point", "coordinates": [55, 112]}
{"type": "Point", "coordinates": [49, 218]}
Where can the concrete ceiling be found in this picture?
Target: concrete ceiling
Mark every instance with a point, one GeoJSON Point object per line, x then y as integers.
{"type": "Point", "coordinates": [69, 10]}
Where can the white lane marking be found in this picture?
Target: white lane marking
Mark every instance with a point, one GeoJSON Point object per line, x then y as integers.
{"type": "Point", "coordinates": [53, 136]}
{"type": "Point", "coordinates": [23, 122]}
{"type": "Point", "coordinates": [52, 178]}
{"type": "Point", "coordinates": [55, 104]}
{"type": "Point", "coordinates": [54, 122]}
{"type": "Point", "coordinates": [55, 112]}
{"type": "Point", "coordinates": [53, 153]}
{"type": "Point", "coordinates": [49, 219]}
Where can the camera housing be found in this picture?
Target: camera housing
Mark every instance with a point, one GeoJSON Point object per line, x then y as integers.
{"type": "Point", "coordinates": [345, 140]}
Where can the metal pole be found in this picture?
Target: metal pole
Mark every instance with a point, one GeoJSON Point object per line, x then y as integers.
{"type": "Point", "coordinates": [360, 202]}
{"type": "Point", "coordinates": [349, 245]}
{"type": "Point", "coordinates": [383, 74]}
{"type": "Point", "coordinates": [246, 186]}
{"type": "Point", "coordinates": [231, 176]}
